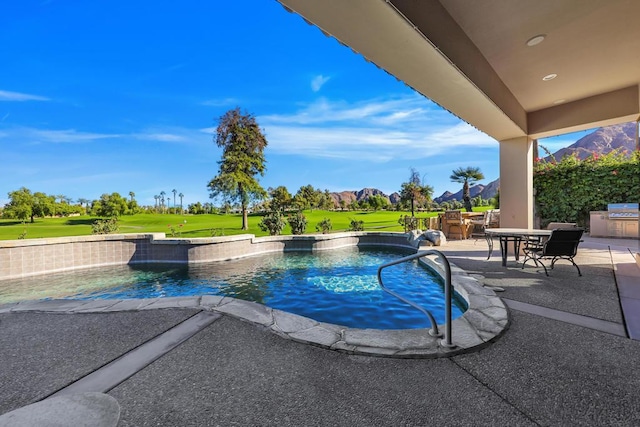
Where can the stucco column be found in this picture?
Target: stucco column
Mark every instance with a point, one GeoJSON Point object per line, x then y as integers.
{"type": "Point", "coordinates": [516, 183]}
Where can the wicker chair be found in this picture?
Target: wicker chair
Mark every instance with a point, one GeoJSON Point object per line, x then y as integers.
{"type": "Point", "coordinates": [453, 220]}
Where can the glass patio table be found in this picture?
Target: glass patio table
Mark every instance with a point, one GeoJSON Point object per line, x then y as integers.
{"type": "Point", "coordinates": [515, 235]}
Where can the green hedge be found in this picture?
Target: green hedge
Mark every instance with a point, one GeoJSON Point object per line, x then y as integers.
{"type": "Point", "coordinates": [566, 191]}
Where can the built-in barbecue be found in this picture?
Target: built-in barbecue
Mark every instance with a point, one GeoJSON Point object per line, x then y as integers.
{"type": "Point", "coordinates": [623, 210]}
{"type": "Point", "coordinates": [619, 220]}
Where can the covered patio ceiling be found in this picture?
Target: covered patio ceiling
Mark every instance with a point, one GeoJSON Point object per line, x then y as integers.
{"type": "Point", "coordinates": [473, 57]}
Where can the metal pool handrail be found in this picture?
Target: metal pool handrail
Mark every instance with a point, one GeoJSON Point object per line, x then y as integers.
{"type": "Point", "coordinates": [447, 294]}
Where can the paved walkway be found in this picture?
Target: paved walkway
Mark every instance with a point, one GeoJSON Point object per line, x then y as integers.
{"type": "Point", "coordinates": [565, 360]}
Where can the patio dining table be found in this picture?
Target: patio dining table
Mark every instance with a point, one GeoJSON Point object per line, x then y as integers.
{"type": "Point", "coordinates": [515, 235]}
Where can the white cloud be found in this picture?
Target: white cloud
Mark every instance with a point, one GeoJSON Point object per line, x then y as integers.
{"type": "Point", "coordinates": [377, 130]}
{"type": "Point", "coordinates": [65, 136]}
{"type": "Point", "coordinates": [17, 96]}
{"type": "Point", "coordinates": [164, 137]}
{"type": "Point", "coordinates": [374, 144]}
{"type": "Point", "coordinates": [173, 135]}
{"type": "Point", "coordinates": [388, 111]}
{"type": "Point", "coordinates": [318, 82]}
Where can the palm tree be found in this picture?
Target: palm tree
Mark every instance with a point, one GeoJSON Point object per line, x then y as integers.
{"type": "Point", "coordinates": [162, 194]}
{"type": "Point", "coordinates": [156, 197]}
{"type": "Point", "coordinates": [414, 190]}
{"type": "Point", "coordinates": [132, 195]}
{"type": "Point", "coordinates": [82, 201]}
{"type": "Point", "coordinates": [466, 176]}
{"type": "Point", "coordinates": [174, 191]}
{"type": "Point", "coordinates": [181, 196]}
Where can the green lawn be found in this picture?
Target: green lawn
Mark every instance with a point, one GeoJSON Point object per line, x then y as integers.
{"type": "Point", "coordinates": [198, 225]}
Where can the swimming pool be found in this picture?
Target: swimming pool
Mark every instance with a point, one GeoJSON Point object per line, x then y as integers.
{"type": "Point", "coordinates": [336, 286]}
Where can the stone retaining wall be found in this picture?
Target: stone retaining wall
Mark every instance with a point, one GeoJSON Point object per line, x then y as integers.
{"type": "Point", "coordinates": [22, 258]}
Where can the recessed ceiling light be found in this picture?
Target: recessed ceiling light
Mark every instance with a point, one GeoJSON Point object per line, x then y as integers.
{"type": "Point", "coordinates": [536, 40]}
{"type": "Point", "coordinates": [549, 77]}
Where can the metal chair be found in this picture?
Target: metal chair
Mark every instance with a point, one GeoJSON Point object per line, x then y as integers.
{"type": "Point", "coordinates": [491, 219]}
{"type": "Point", "coordinates": [479, 225]}
{"type": "Point", "coordinates": [562, 244]}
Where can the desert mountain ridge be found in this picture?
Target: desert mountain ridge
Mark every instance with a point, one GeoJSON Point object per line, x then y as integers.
{"type": "Point", "coordinates": [601, 141]}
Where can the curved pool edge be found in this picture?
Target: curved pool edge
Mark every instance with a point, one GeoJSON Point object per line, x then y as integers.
{"type": "Point", "coordinates": [485, 320]}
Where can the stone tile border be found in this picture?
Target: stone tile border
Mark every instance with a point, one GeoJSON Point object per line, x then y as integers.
{"type": "Point", "coordinates": [484, 321]}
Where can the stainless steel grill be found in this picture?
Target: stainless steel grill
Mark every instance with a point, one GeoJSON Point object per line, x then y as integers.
{"type": "Point", "coordinates": [623, 211]}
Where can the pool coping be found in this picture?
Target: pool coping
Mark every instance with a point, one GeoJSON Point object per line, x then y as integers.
{"type": "Point", "coordinates": [485, 320]}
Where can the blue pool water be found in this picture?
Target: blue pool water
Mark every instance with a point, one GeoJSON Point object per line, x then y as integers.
{"type": "Point", "coordinates": [338, 286]}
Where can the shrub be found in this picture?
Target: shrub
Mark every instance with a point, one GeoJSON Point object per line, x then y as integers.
{"type": "Point", "coordinates": [273, 222]}
{"type": "Point", "coordinates": [324, 226]}
{"type": "Point", "coordinates": [175, 232]}
{"type": "Point", "coordinates": [215, 232]}
{"type": "Point", "coordinates": [356, 225]}
{"type": "Point", "coordinates": [566, 191]}
{"type": "Point", "coordinates": [298, 223]}
{"type": "Point", "coordinates": [105, 226]}
{"type": "Point", "coordinates": [409, 222]}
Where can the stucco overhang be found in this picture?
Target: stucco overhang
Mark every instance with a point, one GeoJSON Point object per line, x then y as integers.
{"type": "Point", "coordinates": [471, 57]}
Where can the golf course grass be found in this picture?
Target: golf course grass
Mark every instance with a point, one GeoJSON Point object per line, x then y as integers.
{"type": "Point", "coordinates": [198, 225]}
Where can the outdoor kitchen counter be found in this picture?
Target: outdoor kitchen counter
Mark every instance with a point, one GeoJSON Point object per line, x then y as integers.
{"type": "Point", "coordinates": [603, 225]}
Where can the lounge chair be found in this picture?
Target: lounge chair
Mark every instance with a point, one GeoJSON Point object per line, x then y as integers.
{"type": "Point", "coordinates": [562, 244]}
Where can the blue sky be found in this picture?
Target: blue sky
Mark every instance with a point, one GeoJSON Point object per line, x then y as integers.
{"type": "Point", "coordinates": [97, 97]}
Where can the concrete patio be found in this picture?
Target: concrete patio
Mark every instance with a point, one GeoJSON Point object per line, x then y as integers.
{"type": "Point", "coordinates": [565, 359]}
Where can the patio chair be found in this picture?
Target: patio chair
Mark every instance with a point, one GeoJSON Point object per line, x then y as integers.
{"type": "Point", "coordinates": [562, 244]}
{"type": "Point", "coordinates": [453, 220]}
{"type": "Point", "coordinates": [551, 226]}
{"type": "Point", "coordinates": [490, 219]}
{"type": "Point", "coordinates": [554, 225]}
{"type": "Point", "coordinates": [480, 224]}
{"type": "Point", "coordinates": [494, 218]}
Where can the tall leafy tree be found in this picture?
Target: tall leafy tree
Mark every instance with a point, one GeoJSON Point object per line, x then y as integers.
{"type": "Point", "coordinates": [307, 197]}
{"type": "Point", "coordinates": [42, 205]}
{"type": "Point", "coordinates": [280, 198]}
{"type": "Point", "coordinates": [377, 202]}
{"type": "Point", "coordinates": [466, 176]}
{"type": "Point", "coordinates": [243, 143]}
{"type": "Point", "coordinates": [110, 205]}
{"type": "Point", "coordinates": [414, 191]}
{"type": "Point", "coordinates": [20, 205]}
{"type": "Point", "coordinates": [326, 202]}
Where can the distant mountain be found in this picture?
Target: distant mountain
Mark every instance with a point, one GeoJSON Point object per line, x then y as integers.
{"type": "Point", "coordinates": [491, 189]}
{"type": "Point", "coordinates": [364, 194]}
{"type": "Point", "coordinates": [485, 191]}
{"type": "Point", "coordinates": [602, 141]}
